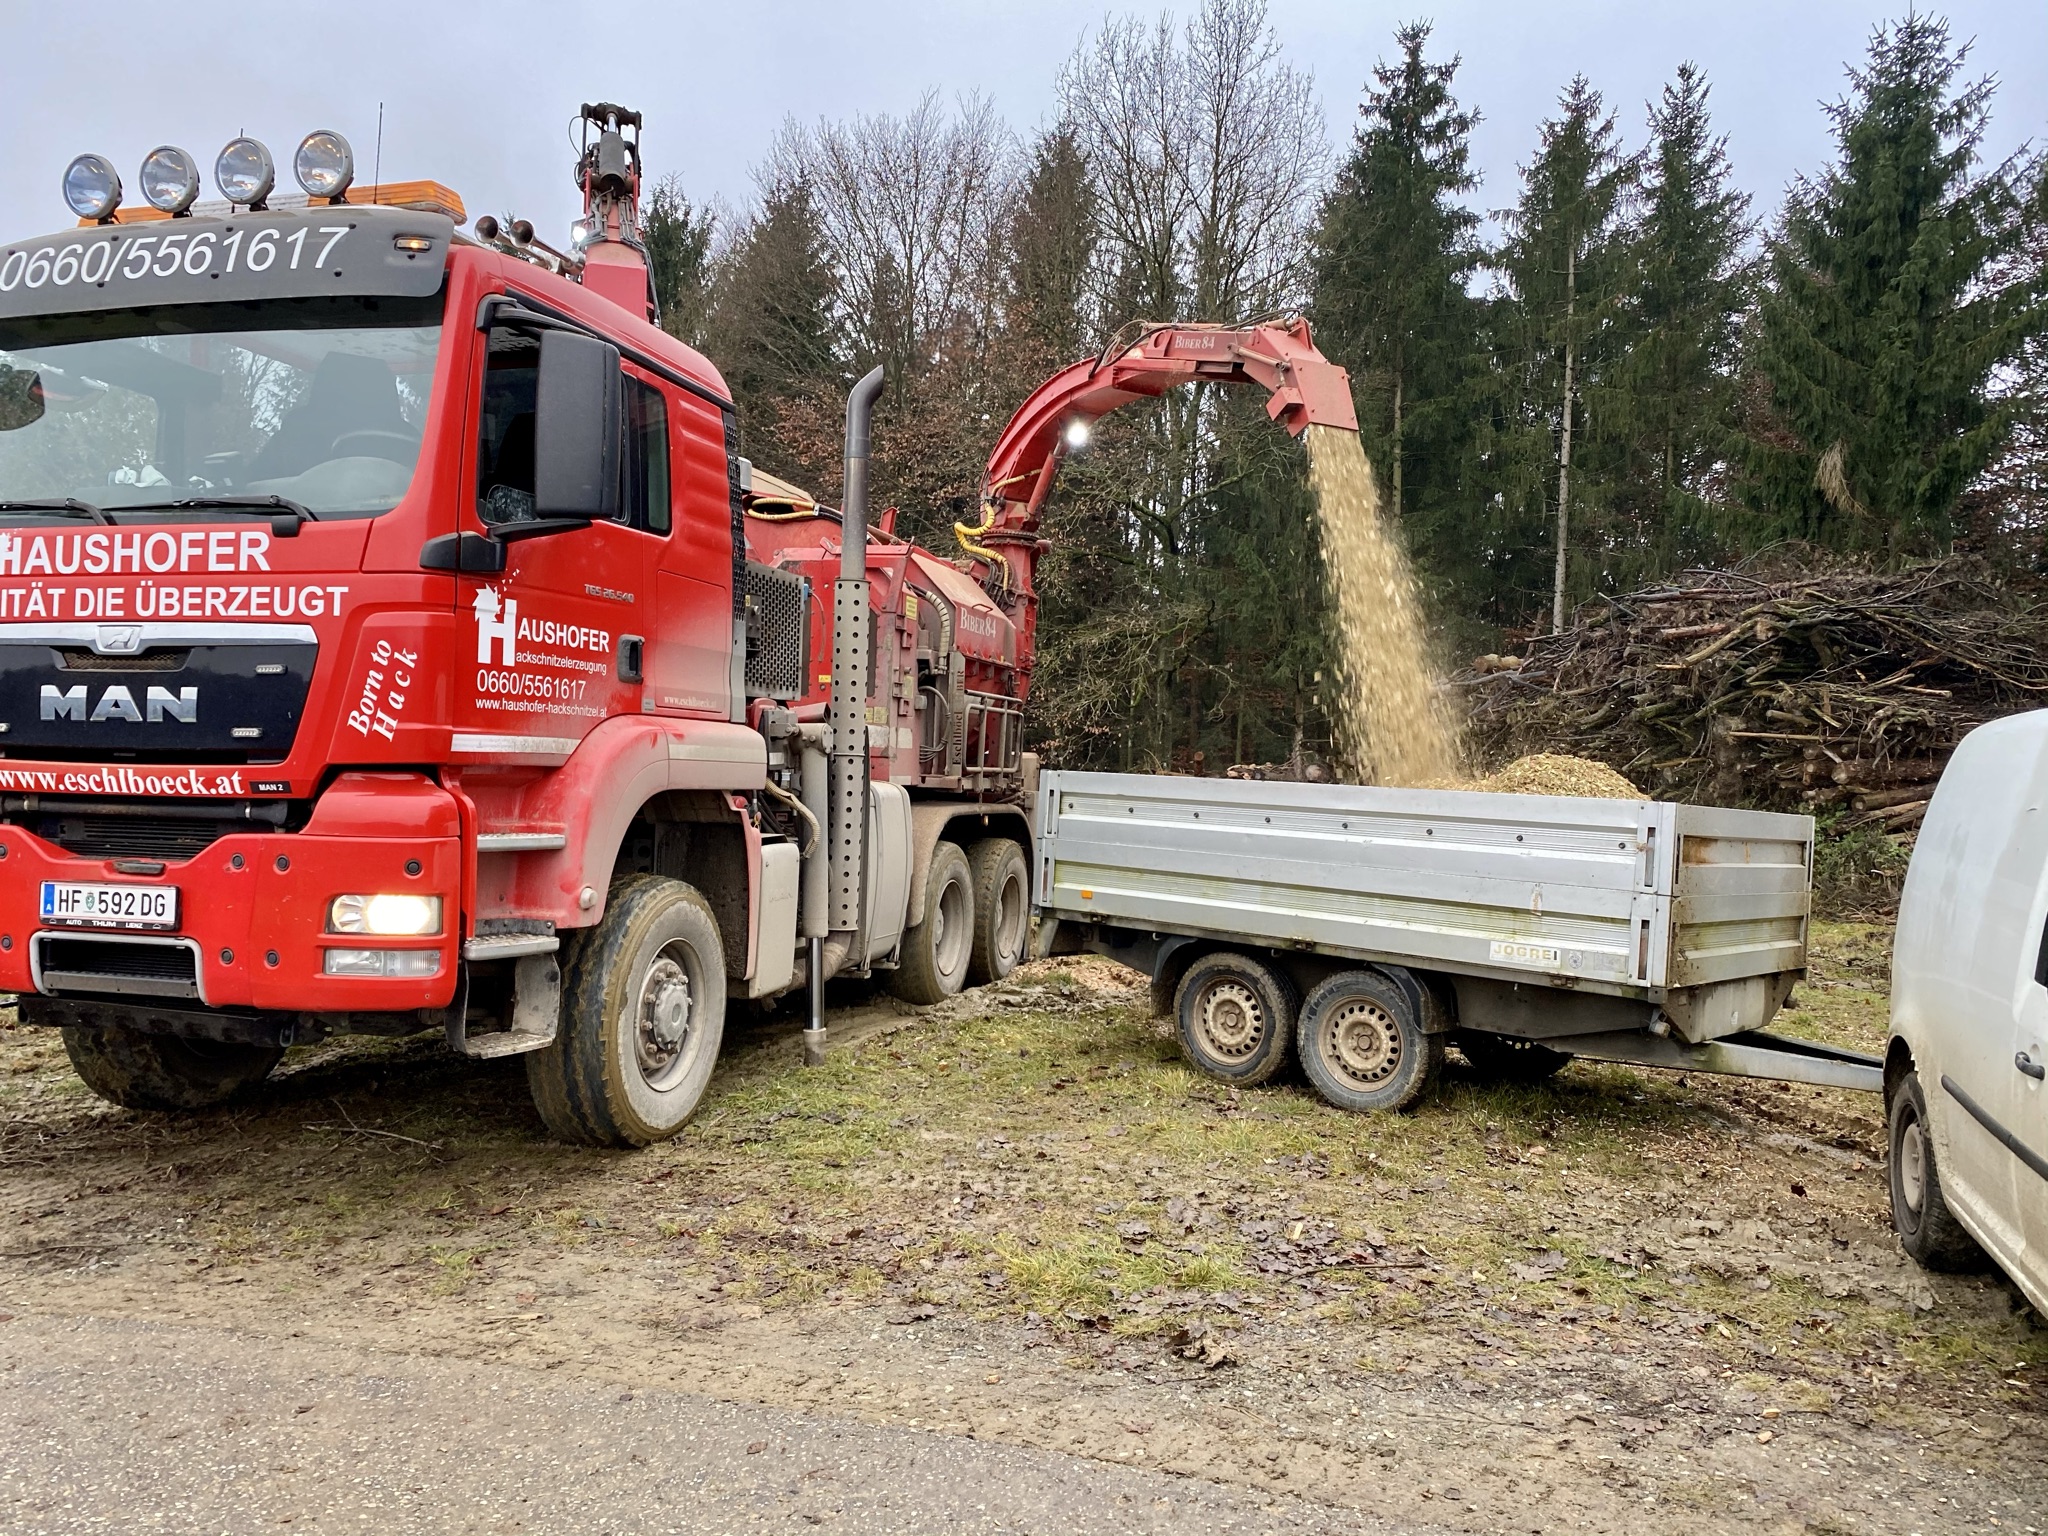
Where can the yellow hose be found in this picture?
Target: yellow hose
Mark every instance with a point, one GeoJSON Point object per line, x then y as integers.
{"type": "Point", "coordinates": [967, 535]}
{"type": "Point", "coordinates": [803, 509]}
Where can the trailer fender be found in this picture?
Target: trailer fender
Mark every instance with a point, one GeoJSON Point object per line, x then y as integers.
{"type": "Point", "coordinates": [589, 802]}
{"type": "Point", "coordinates": [929, 820]}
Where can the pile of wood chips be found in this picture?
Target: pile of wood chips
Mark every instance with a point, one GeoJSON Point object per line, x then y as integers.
{"type": "Point", "coordinates": [1800, 689]}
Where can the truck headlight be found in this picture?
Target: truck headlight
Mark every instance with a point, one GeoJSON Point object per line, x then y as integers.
{"type": "Point", "coordinates": [325, 165]}
{"type": "Point", "coordinates": [245, 173]}
{"type": "Point", "coordinates": [170, 179]}
{"type": "Point", "coordinates": [92, 187]}
{"type": "Point", "coordinates": [402, 964]}
{"type": "Point", "coordinates": [390, 915]}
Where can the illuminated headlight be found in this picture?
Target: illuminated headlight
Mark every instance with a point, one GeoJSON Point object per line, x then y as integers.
{"type": "Point", "coordinates": [245, 173]}
{"type": "Point", "coordinates": [388, 916]}
{"type": "Point", "coordinates": [92, 186]}
{"type": "Point", "coordinates": [1077, 435]}
{"type": "Point", "coordinates": [404, 964]}
{"type": "Point", "coordinates": [325, 165]}
{"type": "Point", "coordinates": [170, 179]}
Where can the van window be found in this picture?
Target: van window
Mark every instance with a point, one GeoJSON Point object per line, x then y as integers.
{"type": "Point", "coordinates": [2041, 961]}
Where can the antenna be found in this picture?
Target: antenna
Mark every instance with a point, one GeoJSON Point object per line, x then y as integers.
{"type": "Point", "coordinates": [377, 173]}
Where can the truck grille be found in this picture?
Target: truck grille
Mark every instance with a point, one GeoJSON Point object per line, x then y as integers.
{"type": "Point", "coordinates": [137, 830]}
{"type": "Point", "coordinates": [91, 963]}
{"type": "Point", "coordinates": [139, 837]}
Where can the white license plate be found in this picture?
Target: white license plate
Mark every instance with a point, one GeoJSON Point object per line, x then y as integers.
{"type": "Point", "coordinates": [110, 906]}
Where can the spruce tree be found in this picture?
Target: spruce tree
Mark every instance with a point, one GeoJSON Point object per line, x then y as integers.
{"type": "Point", "coordinates": [1687, 291]}
{"type": "Point", "coordinates": [1565, 267]}
{"type": "Point", "coordinates": [1394, 250]}
{"type": "Point", "coordinates": [678, 241]}
{"type": "Point", "coordinates": [1895, 299]}
{"type": "Point", "coordinates": [769, 324]}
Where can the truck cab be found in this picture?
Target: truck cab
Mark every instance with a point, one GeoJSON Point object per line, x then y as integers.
{"type": "Point", "coordinates": [380, 651]}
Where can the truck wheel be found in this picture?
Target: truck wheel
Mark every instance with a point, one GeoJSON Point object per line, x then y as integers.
{"type": "Point", "coordinates": [1928, 1229]}
{"type": "Point", "coordinates": [1362, 1044]}
{"type": "Point", "coordinates": [1504, 1059]}
{"type": "Point", "coordinates": [1002, 908]}
{"type": "Point", "coordinates": [140, 1070]}
{"type": "Point", "coordinates": [1235, 1017]}
{"type": "Point", "coordinates": [643, 1014]}
{"type": "Point", "coordinates": [936, 951]}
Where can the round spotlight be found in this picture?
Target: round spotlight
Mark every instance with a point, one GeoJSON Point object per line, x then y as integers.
{"type": "Point", "coordinates": [1077, 435]}
{"type": "Point", "coordinates": [325, 165]}
{"type": "Point", "coordinates": [245, 173]}
{"type": "Point", "coordinates": [92, 187]}
{"type": "Point", "coordinates": [170, 179]}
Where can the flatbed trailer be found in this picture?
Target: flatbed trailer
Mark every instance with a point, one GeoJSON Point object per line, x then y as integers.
{"type": "Point", "coordinates": [1363, 928]}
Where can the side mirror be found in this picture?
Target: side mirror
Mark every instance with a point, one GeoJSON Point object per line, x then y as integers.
{"type": "Point", "coordinates": [579, 411]}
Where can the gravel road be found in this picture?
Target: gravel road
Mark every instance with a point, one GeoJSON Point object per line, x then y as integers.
{"type": "Point", "coordinates": [138, 1427]}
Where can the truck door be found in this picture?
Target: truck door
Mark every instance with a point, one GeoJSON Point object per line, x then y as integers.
{"type": "Point", "coordinates": [689, 653]}
{"type": "Point", "coordinates": [559, 633]}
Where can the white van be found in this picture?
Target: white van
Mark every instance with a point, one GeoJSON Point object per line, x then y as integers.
{"type": "Point", "coordinates": [1965, 1100]}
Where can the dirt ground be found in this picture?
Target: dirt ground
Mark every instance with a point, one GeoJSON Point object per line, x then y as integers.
{"type": "Point", "coordinates": [1616, 1298]}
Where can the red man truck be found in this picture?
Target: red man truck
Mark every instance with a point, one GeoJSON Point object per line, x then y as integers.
{"type": "Point", "coordinates": [393, 637]}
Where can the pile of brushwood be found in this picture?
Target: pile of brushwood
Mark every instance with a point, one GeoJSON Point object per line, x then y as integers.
{"type": "Point", "coordinates": [1821, 687]}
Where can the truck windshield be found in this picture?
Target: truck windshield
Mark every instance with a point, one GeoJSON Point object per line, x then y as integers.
{"type": "Point", "coordinates": [320, 401]}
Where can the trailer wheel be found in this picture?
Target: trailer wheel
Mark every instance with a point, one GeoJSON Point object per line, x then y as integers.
{"type": "Point", "coordinates": [1002, 908]}
{"type": "Point", "coordinates": [1362, 1045]}
{"type": "Point", "coordinates": [1504, 1059]}
{"type": "Point", "coordinates": [1928, 1229]}
{"type": "Point", "coordinates": [1234, 1017]}
{"type": "Point", "coordinates": [936, 951]}
{"type": "Point", "coordinates": [142, 1070]}
{"type": "Point", "coordinates": [643, 1015]}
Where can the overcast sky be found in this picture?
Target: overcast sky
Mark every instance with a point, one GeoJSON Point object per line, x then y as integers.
{"type": "Point", "coordinates": [480, 97]}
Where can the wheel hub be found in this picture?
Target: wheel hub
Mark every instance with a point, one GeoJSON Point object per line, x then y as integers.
{"type": "Point", "coordinates": [1913, 1165]}
{"type": "Point", "coordinates": [1363, 1042]}
{"type": "Point", "coordinates": [665, 1016]}
{"type": "Point", "coordinates": [1231, 1020]}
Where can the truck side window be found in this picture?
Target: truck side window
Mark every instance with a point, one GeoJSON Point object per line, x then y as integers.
{"type": "Point", "coordinates": [504, 490]}
{"type": "Point", "coordinates": [2041, 961]}
{"type": "Point", "coordinates": [645, 503]}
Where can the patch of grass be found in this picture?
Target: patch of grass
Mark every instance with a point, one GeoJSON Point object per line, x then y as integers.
{"type": "Point", "coordinates": [1857, 872]}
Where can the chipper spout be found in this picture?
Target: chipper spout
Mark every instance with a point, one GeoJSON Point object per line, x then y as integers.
{"type": "Point", "coordinates": [1303, 389]}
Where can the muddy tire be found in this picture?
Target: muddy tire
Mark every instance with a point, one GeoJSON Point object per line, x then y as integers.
{"type": "Point", "coordinates": [1504, 1059]}
{"type": "Point", "coordinates": [937, 949]}
{"type": "Point", "coordinates": [1927, 1228]}
{"type": "Point", "coordinates": [138, 1070]}
{"type": "Point", "coordinates": [1235, 1018]}
{"type": "Point", "coordinates": [1002, 909]}
{"type": "Point", "coordinates": [1361, 1043]}
{"type": "Point", "coordinates": [643, 1016]}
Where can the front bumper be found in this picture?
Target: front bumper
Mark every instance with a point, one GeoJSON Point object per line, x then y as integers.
{"type": "Point", "coordinates": [252, 910]}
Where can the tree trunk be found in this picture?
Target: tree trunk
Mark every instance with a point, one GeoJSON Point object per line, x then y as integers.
{"type": "Point", "coordinates": [1564, 451]}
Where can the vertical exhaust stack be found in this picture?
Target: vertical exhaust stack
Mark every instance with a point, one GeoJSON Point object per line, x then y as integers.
{"type": "Point", "coordinates": [847, 715]}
